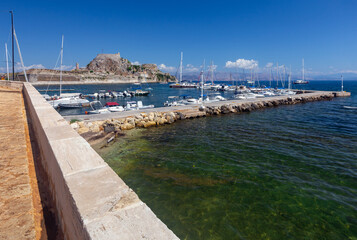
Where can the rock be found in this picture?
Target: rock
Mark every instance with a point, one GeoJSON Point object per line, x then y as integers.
{"type": "Point", "coordinates": [140, 124]}
{"type": "Point", "coordinates": [151, 116]}
{"type": "Point", "coordinates": [180, 116]}
{"type": "Point", "coordinates": [109, 127]}
{"type": "Point", "coordinates": [83, 130]}
{"type": "Point", "coordinates": [126, 126]}
{"type": "Point", "coordinates": [95, 128]}
{"type": "Point", "coordinates": [131, 121]}
{"type": "Point", "coordinates": [75, 126]}
{"type": "Point", "coordinates": [161, 121]}
{"type": "Point", "coordinates": [149, 124]}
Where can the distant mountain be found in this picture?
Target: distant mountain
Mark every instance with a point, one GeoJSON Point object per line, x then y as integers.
{"type": "Point", "coordinates": [234, 76]}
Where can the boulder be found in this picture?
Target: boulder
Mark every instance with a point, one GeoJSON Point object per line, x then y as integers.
{"type": "Point", "coordinates": [83, 130]}
{"type": "Point", "coordinates": [149, 124]}
{"type": "Point", "coordinates": [75, 125]}
{"type": "Point", "coordinates": [126, 126]}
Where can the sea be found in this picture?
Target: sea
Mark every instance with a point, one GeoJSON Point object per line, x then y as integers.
{"type": "Point", "coordinates": [288, 172]}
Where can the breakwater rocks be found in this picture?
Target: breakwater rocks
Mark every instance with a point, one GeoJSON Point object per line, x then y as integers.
{"type": "Point", "coordinates": [151, 119]}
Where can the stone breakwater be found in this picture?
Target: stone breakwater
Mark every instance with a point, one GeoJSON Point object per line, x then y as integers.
{"type": "Point", "coordinates": [157, 118]}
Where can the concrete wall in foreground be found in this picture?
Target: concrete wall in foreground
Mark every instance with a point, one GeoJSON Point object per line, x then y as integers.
{"type": "Point", "coordinates": [92, 201]}
{"type": "Point", "coordinates": [11, 84]}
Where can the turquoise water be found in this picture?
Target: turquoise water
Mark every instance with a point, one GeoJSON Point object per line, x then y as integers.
{"type": "Point", "coordinates": [288, 172]}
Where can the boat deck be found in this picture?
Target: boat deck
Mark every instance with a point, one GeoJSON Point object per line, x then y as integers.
{"type": "Point", "coordinates": [21, 211]}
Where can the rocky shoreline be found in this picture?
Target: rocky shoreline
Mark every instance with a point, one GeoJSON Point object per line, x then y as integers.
{"type": "Point", "coordinates": [106, 130]}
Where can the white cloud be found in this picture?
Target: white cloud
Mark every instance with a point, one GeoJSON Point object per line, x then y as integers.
{"type": "Point", "coordinates": [349, 71]}
{"type": "Point", "coordinates": [269, 65]}
{"type": "Point", "coordinates": [135, 63]}
{"type": "Point", "coordinates": [191, 68]}
{"type": "Point", "coordinates": [65, 67]}
{"type": "Point", "coordinates": [18, 67]}
{"type": "Point", "coordinates": [242, 63]}
{"type": "Point", "coordinates": [165, 68]}
{"type": "Point", "coordinates": [214, 67]}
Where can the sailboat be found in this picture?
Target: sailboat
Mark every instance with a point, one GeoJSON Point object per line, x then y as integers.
{"type": "Point", "coordinates": [68, 100]}
{"type": "Point", "coordinates": [302, 81]}
{"type": "Point", "coordinates": [182, 84]}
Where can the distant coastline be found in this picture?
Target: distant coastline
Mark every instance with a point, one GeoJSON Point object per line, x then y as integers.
{"type": "Point", "coordinates": [91, 82]}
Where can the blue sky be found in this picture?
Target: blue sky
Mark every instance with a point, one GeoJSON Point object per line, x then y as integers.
{"type": "Point", "coordinates": [324, 33]}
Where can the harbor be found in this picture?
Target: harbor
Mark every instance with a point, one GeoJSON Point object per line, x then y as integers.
{"type": "Point", "coordinates": [178, 120]}
{"type": "Point", "coordinates": [165, 115]}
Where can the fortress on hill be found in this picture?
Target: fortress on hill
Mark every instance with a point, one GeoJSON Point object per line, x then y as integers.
{"type": "Point", "coordinates": [104, 68]}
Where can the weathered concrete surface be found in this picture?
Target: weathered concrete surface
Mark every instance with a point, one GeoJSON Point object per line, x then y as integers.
{"type": "Point", "coordinates": [20, 205]}
{"type": "Point", "coordinates": [92, 202]}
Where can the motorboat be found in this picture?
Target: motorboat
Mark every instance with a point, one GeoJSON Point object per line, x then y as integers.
{"type": "Point", "coordinates": [114, 107]}
{"type": "Point", "coordinates": [300, 82]}
{"type": "Point", "coordinates": [46, 96]}
{"type": "Point", "coordinates": [183, 85]}
{"type": "Point", "coordinates": [97, 110]}
{"type": "Point", "coordinates": [139, 92]}
{"type": "Point", "coordinates": [73, 102]}
{"type": "Point", "coordinates": [268, 94]}
{"type": "Point", "coordinates": [132, 105]}
{"type": "Point", "coordinates": [173, 101]}
{"type": "Point", "coordinates": [101, 94]}
{"type": "Point", "coordinates": [191, 101]}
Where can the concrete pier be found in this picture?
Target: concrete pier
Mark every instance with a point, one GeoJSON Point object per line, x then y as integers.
{"type": "Point", "coordinates": [193, 110]}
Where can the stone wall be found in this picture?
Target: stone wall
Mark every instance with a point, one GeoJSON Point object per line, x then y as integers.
{"type": "Point", "coordinates": [154, 118]}
{"type": "Point", "coordinates": [92, 202]}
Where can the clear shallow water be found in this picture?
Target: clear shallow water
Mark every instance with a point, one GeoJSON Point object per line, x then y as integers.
{"type": "Point", "coordinates": [280, 173]}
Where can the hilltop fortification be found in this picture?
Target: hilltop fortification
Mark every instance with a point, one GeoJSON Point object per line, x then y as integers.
{"type": "Point", "coordinates": [104, 68]}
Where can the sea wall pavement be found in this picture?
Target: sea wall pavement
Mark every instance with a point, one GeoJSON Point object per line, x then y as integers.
{"type": "Point", "coordinates": [167, 115]}
{"type": "Point", "coordinates": [92, 202]}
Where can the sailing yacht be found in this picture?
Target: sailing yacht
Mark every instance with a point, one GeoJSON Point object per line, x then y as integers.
{"type": "Point", "coordinates": [302, 81]}
{"type": "Point", "coordinates": [69, 100]}
{"type": "Point", "coordinates": [182, 84]}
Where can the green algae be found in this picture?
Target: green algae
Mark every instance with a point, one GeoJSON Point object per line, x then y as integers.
{"type": "Point", "coordinates": [231, 178]}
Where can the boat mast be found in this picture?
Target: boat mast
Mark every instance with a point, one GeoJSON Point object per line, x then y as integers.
{"type": "Point", "coordinates": [289, 84]}
{"type": "Point", "coordinates": [341, 83]}
{"type": "Point", "coordinates": [61, 66]}
{"type": "Point", "coordinates": [283, 83]}
{"type": "Point", "coordinates": [212, 72]}
{"type": "Point", "coordinates": [7, 63]}
{"type": "Point", "coordinates": [303, 70]}
{"type": "Point", "coordinates": [203, 70]}
{"type": "Point", "coordinates": [277, 74]}
{"type": "Point", "coordinates": [181, 66]}
{"type": "Point", "coordinates": [22, 62]}
{"type": "Point", "coordinates": [12, 39]}
{"type": "Point", "coordinates": [270, 77]}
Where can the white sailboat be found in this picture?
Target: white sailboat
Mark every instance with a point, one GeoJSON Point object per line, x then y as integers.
{"type": "Point", "coordinates": [302, 81]}
{"type": "Point", "coordinates": [67, 100]}
{"type": "Point", "coordinates": [182, 84]}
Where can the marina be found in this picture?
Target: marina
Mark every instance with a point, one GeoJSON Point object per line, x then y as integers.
{"type": "Point", "coordinates": [113, 134]}
{"type": "Point", "coordinates": [198, 110]}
